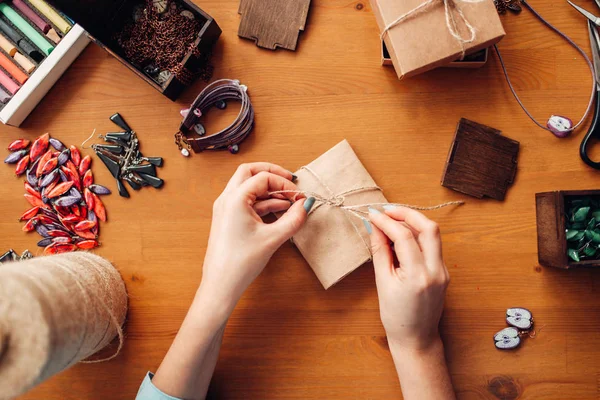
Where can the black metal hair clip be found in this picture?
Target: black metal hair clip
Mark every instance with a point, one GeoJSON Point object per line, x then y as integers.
{"type": "Point", "coordinates": [11, 256]}
{"type": "Point", "coordinates": [124, 160]}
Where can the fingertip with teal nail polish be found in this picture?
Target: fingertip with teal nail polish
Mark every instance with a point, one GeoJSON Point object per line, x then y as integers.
{"type": "Point", "coordinates": [374, 210]}
{"type": "Point", "coordinates": [368, 226]}
{"type": "Point", "coordinates": [294, 177]}
{"type": "Point", "coordinates": [309, 203]}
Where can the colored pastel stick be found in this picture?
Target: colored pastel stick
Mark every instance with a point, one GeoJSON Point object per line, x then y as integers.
{"type": "Point", "coordinates": [8, 83]}
{"type": "Point", "coordinates": [52, 35]}
{"type": "Point", "coordinates": [52, 15]}
{"type": "Point", "coordinates": [7, 46]}
{"type": "Point", "coordinates": [4, 97]}
{"type": "Point", "coordinates": [27, 29]}
{"type": "Point", "coordinates": [24, 62]}
{"type": "Point", "coordinates": [12, 69]}
{"type": "Point", "coordinates": [32, 15]}
{"type": "Point", "coordinates": [23, 44]}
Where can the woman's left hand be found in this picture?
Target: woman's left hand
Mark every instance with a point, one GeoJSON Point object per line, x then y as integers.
{"type": "Point", "coordinates": [240, 243]}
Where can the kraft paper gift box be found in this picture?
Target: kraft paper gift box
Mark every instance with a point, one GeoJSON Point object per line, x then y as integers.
{"type": "Point", "coordinates": [424, 41]}
{"type": "Point", "coordinates": [333, 241]}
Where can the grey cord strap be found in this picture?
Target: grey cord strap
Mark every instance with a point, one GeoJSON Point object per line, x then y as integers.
{"type": "Point", "coordinates": [572, 43]}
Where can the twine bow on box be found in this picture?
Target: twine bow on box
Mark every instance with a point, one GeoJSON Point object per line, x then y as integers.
{"type": "Point", "coordinates": [451, 8]}
{"type": "Point", "coordinates": [360, 210]}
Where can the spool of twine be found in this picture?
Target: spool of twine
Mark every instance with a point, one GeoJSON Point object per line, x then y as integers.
{"type": "Point", "coordinates": [55, 312]}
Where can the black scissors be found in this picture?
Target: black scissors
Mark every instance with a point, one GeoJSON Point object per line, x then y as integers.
{"type": "Point", "coordinates": [594, 132]}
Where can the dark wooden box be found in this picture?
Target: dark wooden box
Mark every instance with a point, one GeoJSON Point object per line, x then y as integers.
{"type": "Point", "coordinates": [551, 229]}
{"type": "Point", "coordinates": [102, 19]}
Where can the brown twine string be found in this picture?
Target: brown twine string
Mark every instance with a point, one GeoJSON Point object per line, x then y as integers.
{"type": "Point", "coordinates": [90, 297]}
{"type": "Point", "coordinates": [339, 200]}
{"type": "Point", "coordinates": [451, 23]}
{"type": "Point", "coordinates": [54, 312]}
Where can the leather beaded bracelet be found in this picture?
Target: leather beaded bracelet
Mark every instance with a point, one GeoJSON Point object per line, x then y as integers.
{"type": "Point", "coordinates": [216, 95]}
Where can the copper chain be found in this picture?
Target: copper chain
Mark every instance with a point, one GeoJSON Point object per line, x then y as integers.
{"type": "Point", "coordinates": [162, 40]}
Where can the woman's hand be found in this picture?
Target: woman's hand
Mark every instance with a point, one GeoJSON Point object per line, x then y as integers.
{"type": "Point", "coordinates": [412, 292]}
{"type": "Point", "coordinates": [240, 243]}
{"type": "Point", "coordinates": [411, 282]}
{"type": "Point", "coordinates": [239, 247]}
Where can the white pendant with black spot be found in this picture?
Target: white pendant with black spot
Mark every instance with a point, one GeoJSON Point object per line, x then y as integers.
{"type": "Point", "coordinates": [507, 339]}
{"type": "Point", "coordinates": [560, 126]}
{"type": "Point", "coordinates": [520, 318]}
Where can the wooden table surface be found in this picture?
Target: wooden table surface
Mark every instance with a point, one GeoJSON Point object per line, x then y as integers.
{"type": "Point", "coordinates": [288, 338]}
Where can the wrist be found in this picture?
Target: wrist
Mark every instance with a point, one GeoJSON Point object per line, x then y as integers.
{"type": "Point", "coordinates": [416, 348]}
{"type": "Point", "coordinates": [422, 370]}
{"type": "Point", "coordinates": [211, 308]}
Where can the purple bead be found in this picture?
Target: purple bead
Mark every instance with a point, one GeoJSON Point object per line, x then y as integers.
{"type": "Point", "coordinates": [234, 149]}
{"type": "Point", "coordinates": [48, 179]}
{"type": "Point", "coordinates": [99, 189]}
{"type": "Point", "coordinates": [67, 201]}
{"type": "Point", "coordinates": [57, 144]}
{"type": "Point", "coordinates": [64, 157]}
{"type": "Point", "coordinates": [560, 126]}
{"type": "Point", "coordinates": [16, 156]}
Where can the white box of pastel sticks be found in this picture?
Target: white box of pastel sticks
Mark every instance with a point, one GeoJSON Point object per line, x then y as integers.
{"type": "Point", "coordinates": [44, 77]}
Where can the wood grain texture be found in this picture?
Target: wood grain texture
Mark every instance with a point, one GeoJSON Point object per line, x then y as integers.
{"type": "Point", "coordinates": [273, 23]}
{"type": "Point", "coordinates": [481, 162]}
{"type": "Point", "coordinates": [290, 339]}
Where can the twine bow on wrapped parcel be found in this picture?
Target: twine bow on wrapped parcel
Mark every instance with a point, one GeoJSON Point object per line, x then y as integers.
{"type": "Point", "coordinates": [360, 210]}
{"type": "Point", "coordinates": [451, 8]}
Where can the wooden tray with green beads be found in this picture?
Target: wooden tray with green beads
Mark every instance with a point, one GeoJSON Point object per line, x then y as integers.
{"type": "Point", "coordinates": [568, 228]}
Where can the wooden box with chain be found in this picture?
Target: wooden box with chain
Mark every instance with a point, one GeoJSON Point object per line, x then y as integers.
{"type": "Point", "coordinates": [167, 43]}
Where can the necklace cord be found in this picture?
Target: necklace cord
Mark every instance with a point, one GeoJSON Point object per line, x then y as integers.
{"type": "Point", "coordinates": [572, 43]}
{"type": "Point", "coordinates": [236, 132]}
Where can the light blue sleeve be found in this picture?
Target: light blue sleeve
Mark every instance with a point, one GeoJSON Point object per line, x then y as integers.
{"type": "Point", "coordinates": [150, 392]}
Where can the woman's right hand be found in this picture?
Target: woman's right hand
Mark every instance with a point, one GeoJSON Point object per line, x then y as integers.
{"type": "Point", "coordinates": [411, 276]}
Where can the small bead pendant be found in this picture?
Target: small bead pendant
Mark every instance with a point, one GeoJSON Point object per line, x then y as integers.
{"type": "Point", "coordinates": [152, 70]}
{"type": "Point", "coordinates": [221, 104]}
{"type": "Point", "coordinates": [199, 129]}
{"type": "Point", "coordinates": [160, 5]}
{"type": "Point", "coordinates": [187, 14]}
{"type": "Point", "coordinates": [163, 77]}
{"type": "Point", "coordinates": [234, 149]}
{"type": "Point", "coordinates": [560, 126]}
{"type": "Point", "coordinates": [185, 152]}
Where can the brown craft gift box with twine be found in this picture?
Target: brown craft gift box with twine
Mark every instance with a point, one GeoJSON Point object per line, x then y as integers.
{"type": "Point", "coordinates": [421, 35]}
{"type": "Point", "coordinates": [334, 240]}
